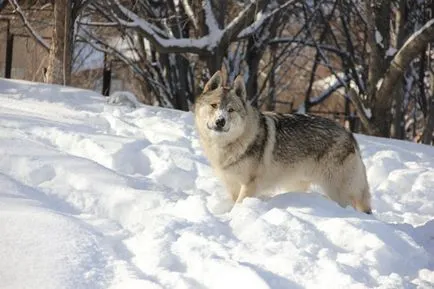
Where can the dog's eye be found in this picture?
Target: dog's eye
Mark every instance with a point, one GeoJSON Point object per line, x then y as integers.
{"type": "Point", "coordinates": [214, 105]}
{"type": "Point", "coordinates": [231, 110]}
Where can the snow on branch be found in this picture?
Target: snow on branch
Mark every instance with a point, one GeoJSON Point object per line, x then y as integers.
{"type": "Point", "coordinates": [28, 26]}
{"type": "Point", "coordinates": [160, 39]}
{"type": "Point", "coordinates": [239, 23]}
{"type": "Point", "coordinates": [332, 85]}
{"type": "Point", "coordinates": [137, 21]}
{"type": "Point", "coordinates": [189, 11]}
{"type": "Point", "coordinates": [210, 19]}
{"type": "Point", "coordinates": [98, 24]}
{"type": "Point", "coordinates": [260, 21]}
{"type": "Point", "coordinates": [215, 37]}
{"type": "Point", "coordinates": [411, 48]}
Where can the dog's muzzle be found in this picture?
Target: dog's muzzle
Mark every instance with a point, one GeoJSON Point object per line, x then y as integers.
{"type": "Point", "coordinates": [218, 126]}
{"type": "Point", "coordinates": [220, 123]}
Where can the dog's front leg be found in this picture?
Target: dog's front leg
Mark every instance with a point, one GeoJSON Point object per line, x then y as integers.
{"type": "Point", "coordinates": [247, 190]}
{"type": "Point", "coordinates": [233, 189]}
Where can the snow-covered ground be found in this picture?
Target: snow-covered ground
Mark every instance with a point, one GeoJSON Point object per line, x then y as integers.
{"type": "Point", "coordinates": [94, 195]}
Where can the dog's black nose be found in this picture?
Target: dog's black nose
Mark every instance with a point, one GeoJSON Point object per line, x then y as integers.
{"type": "Point", "coordinates": [220, 122]}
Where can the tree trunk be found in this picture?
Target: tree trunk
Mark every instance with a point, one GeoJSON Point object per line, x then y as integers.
{"type": "Point", "coordinates": [255, 50]}
{"type": "Point", "coordinates": [397, 128]}
{"type": "Point", "coordinates": [378, 18]}
{"type": "Point", "coordinates": [429, 125]}
{"type": "Point", "coordinates": [59, 61]}
{"type": "Point", "coordinates": [270, 102]}
{"type": "Point", "coordinates": [253, 57]}
{"type": "Point", "coordinates": [416, 43]}
{"type": "Point", "coordinates": [215, 59]}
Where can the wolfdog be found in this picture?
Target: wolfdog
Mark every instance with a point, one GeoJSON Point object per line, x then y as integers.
{"type": "Point", "coordinates": [254, 153]}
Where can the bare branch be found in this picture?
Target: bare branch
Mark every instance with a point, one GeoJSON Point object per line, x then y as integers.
{"type": "Point", "coordinates": [99, 24]}
{"type": "Point", "coordinates": [242, 20]}
{"type": "Point", "coordinates": [28, 26]}
{"type": "Point", "coordinates": [246, 32]}
{"type": "Point", "coordinates": [411, 48]}
{"type": "Point", "coordinates": [215, 38]}
{"type": "Point", "coordinates": [361, 110]}
{"type": "Point", "coordinates": [102, 46]}
{"type": "Point", "coordinates": [155, 35]}
{"type": "Point", "coordinates": [189, 11]}
{"type": "Point", "coordinates": [325, 47]}
{"type": "Point", "coordinates": [210, 19]}
{"type": "Point", "coordinates": [329, 91]}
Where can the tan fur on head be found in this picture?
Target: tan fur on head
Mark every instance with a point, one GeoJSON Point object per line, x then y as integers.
{"type": "Point", "coordinates": [219, 104]}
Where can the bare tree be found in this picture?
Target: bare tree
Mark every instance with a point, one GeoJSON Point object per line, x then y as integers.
{"type": "Point", "coordinates": [59, 61]}
{"type": "Point", "coordinates": [375, 48]}
{"type": "Point", "coordinates": [62, 41]}
{"type": "Point", "coordinates": [180, 37]}
{"type": "Point", "coordinates": [429, 123]}
{"type": "Point", "coordinates": [392, 73]}
{"type": "Point", "coordinates": [17, 8]}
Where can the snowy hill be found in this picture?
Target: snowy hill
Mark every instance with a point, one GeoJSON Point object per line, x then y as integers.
{"type": "Point", "coordinates": [94, 195]}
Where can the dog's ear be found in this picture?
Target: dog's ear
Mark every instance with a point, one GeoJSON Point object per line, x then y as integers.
{"type": "Point", "coordinates": [240, 88]}
{"type": "Point", "coordinates": [215, 82]}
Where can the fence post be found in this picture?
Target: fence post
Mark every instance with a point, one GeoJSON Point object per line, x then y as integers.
{"type": "Point", "coordinates": [9, 51]}
{"type": "Point", "coordinates": [106, 76]}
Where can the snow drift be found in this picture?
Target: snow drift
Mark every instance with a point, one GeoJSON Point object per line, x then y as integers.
{"type": "Point", "coordinates": [94, 195]}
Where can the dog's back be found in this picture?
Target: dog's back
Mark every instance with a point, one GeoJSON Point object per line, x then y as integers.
{"type": "Point", "coordinates": [301, 136]}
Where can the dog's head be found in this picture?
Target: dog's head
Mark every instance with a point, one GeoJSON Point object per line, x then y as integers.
{"type": "Point", "coordinates": [221, 111]}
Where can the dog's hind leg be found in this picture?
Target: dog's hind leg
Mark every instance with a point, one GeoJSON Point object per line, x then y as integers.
{"type": "Point", "coordinates": [362, 202]}
{"type": "Point", "coordinates": [350, 194]}
{"type": "Point", "coordinates": [350, 188]}
{"type": "Point", "coordinates": [356, 185]}
{"type": "Point", "coordinates": [334, 193]}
